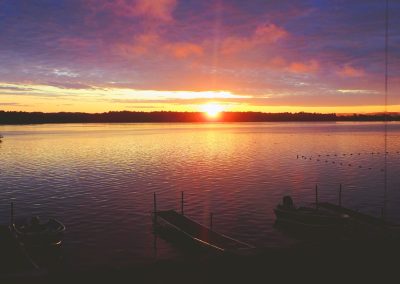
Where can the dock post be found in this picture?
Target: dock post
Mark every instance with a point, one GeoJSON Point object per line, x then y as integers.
{"type": "Point", "coordinates": [211, 221]}
{"type": "Point", "coordinates": [12, 214]}
{"type": "Point", "coordinates": [154, 209]}
{"type": "Point", "coordinates": [316, 196]}
{"type": "Point", "coordinates": [182, 202]}
{"type": "Point", "coordinates": [340, 195]}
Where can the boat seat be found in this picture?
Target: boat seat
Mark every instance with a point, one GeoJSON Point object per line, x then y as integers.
{"type": "Point", "coordinates": [287, 202]}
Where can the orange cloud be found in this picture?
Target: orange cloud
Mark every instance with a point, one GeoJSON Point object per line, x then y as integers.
{"type": "Point", "coordinates": [348, 71]}
{"type": "Point", "coordinates": [184, 49]}
{"type": "Point", "coordinates": [278, 62]}
{"type": "Point", "coordinates": [301, 67]}
{"type": "Point", "coordinates": [143, 44]}
{"type": "Point", "coordinates": [159, 9]}
{"type": "Point", "coordinates": [262, 35]}
{"type": "Point", "coordinates": [152, 44]}
{"type": "Point", "coordinates": [235, 44]}
{"type": "Point", "coordinates": [269, 33]}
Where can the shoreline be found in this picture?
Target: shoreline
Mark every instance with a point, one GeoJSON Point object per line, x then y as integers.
{"type": "Point", "coordinates": [17, 118]}
{"type": "Point", "coordinates": [201, 123]}
{"type": "Point", "coordinates": [319, 261]}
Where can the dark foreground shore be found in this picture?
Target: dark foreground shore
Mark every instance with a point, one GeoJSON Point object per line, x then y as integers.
{"type": "Point", "coordinates": [322, 262]}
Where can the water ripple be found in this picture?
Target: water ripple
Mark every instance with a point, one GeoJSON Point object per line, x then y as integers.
{"type": "Point", "coordinates": [100, 178]}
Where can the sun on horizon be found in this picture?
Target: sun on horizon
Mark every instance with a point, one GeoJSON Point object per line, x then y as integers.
{"type": "Point", "coordinates": [212, 110]}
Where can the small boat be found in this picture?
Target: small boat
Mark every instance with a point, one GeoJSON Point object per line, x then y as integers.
{"type": "Point", "coordinates": [36, 233]}
{"type": "Point", "coordinates": [307, 217]}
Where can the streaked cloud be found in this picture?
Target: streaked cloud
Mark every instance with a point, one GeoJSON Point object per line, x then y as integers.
{"type": "Point", "coordinates": [113, 93]}
{"type": "Point", "coordinates": [65, 72]}
{"type": "Point", "coordinates": [358, 91]}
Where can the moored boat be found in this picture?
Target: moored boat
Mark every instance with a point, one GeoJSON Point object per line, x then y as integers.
{"type": "Point", "coordinates": [307, 217]}
{"type": "Point", "coordinates": [37, 233]}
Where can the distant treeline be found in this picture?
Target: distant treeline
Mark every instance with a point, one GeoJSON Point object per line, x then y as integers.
{"type": "Point", "coordinates": [14, 117]}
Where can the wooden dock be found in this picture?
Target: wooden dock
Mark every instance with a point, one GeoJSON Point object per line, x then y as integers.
{"type": "Point", "coordinates": [365, 223]}
{"type": "Point", "coordinates": [354, 215]}
{"type": "Point", "coordinates": [198, 233]}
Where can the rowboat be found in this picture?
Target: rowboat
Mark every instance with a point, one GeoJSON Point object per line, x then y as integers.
{"type": "Point", "coordinates": [36, 233]}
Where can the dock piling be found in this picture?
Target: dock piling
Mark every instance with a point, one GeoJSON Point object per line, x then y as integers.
{"type": "Point", "coordinates": [12, 213]}
{"type": "Point", "coordinates": [316, 196]}
{"type": "Point", "coordinates": [211, 221]}
{"type": "Point", "coordinates": [340, 195]}
{"type": "Point", "coordinates": [182, 202]}
{"type": "Point", "coordinates": [154, 209]}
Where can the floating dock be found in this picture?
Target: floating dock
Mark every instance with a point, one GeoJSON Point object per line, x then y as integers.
{"type": "Point", "coordinates": [357, 216]}
{"type": "Point", "coordinates": [198, 233]}
{"type": "Point", "coordinates": [364, 223]}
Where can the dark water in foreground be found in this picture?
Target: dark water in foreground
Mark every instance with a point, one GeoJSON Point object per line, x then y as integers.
{"type": "Point", "coordinates": [99, 179]}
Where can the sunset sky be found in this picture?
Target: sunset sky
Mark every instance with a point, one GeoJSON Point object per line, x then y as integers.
{"type": "Point", "coordinates": [148, 55]}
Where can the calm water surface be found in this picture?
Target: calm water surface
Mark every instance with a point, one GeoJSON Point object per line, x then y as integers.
{"type": "Point", "coordinates": [99, 179]}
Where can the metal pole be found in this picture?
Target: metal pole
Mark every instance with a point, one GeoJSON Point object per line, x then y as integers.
{"type": "Point", "coordinates": [182, 203]}
{"type": "Point", "coordinates": [316, 196]}
{"type": "Point", "coordinates": [211, 221]}
{"type": "Point", "coordinates": [340, 195]}
{"type": "Point", "coordinates": [386, 100]}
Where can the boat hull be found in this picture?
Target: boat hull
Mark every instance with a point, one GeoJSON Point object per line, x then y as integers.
{"type": "Point", "coordinates": [49, 234]}
{"type": "Point", "coordinates": [310, 223]}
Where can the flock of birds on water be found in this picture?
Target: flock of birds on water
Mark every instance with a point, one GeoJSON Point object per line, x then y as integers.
{"type": "Point", "coordinates": [327, 158]}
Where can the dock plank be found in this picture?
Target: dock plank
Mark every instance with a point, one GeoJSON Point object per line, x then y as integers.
{"type": "Point", "coordinates": [200, 233]}
{"type": "Point", "coordinates": [355, 215]}
{"type": "Point", "coordinates": [369, 226]}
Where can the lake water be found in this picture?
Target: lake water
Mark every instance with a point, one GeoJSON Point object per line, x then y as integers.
{"type": "Point", "coordinates": [99, 179]}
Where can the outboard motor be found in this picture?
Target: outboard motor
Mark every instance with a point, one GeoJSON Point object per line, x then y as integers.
{"type": "Point", "coordinates": [287, 202]}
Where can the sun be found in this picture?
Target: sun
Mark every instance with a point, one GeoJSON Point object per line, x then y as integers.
{"type": "Point", "coordinates": [212, 109]}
